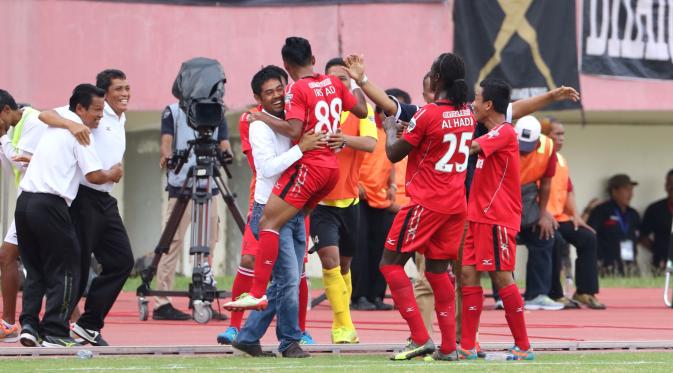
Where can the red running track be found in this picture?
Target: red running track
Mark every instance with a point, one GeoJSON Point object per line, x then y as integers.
{"type": "Point", "coordinates": [632, 315]}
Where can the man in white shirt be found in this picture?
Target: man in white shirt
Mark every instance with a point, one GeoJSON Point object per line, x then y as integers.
{"type": "Point", "coordinates": [273, 154]}
{"type": "Point", "coordinates": [48, 243]}
{"type": "Point", "coordinates": [95, 214]}
{"type": "Point", "coordinates": [26, 132]}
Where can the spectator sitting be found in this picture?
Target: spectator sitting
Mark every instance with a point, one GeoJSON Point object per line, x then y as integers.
{"type": "Point", "coordinates": [655, 231]}
{"type": "Point", "coordinates": [572, 229]}
{"type": "Point", "coordinates": [616, 225]}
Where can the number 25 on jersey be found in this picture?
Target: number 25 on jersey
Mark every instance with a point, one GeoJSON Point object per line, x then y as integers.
{"type": "Point", "coordinates": [328, 117]}
{"type": "Point", "coordinates": [447, 163]}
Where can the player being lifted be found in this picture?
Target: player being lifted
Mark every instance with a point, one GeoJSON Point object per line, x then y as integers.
{"type": "Point", "coordinates": [437, 141]}
{"type": "Point", "coordinates": [494, 216]}
{"type": "Point", "coordinates": [313, 102]}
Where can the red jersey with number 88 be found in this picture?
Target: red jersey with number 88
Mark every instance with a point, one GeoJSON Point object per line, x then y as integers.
{"type": "Point", "coordinates": [318, 101]}
{"type": "Point", "coordinates": [441, 136]}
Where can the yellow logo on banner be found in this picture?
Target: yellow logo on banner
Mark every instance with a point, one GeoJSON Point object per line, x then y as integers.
{"type": "Point", "coordinates": [515, 22]}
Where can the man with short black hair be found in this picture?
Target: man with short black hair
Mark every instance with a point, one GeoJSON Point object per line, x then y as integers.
{"type": "Point", "coordinates": [494, 215]}
{"type": "Point", "coordinates": [273, 154]}
{"type": "Point", "coordinates": [48, 242]}
{"type": "Point", "coordinates": [313, 102]}
{"type": "Point", "coordinates": [95, 213]}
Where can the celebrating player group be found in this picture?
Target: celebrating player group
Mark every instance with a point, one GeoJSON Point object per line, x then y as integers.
{"type": "Point", "coordinates": [462, 184]}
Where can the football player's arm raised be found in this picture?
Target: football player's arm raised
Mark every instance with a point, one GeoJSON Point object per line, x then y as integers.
{"type": "Point", "coordinates": [356, 70]}
{"type": "Point", "coordinates": [528, 106]}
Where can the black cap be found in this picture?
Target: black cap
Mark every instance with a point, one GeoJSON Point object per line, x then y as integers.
{"type": "Point", "coordinates": [620, 180]}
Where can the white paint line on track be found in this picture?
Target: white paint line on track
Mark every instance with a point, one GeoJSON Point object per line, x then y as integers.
{"type": "Point", "coordinates": [363, 365]}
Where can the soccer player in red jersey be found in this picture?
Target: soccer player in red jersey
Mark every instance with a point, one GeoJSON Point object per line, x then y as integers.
{"type": "Point", "coordinates": [249, 244]}
{"type": "Point", "coordinates": [437, 141]}
{"type": "Point", "coordinates": [313, 102]}
{"type": "Point", "coordinates": [494, 216]}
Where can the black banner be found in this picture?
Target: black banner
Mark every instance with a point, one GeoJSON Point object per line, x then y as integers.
{"type": "Point", "coordinates": [628, 38]}
{"type": "Point", "coordinates": [529, 43]}
{"type": "Point", "coordinates": [269, 2]}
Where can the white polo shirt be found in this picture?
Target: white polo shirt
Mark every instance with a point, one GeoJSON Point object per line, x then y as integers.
{"type": "Point", "coordinates": [273, 154]}
{"type": "Point", "coordinates": [59, 162]}
{"type": "Point", "coordinates": [110, 144]}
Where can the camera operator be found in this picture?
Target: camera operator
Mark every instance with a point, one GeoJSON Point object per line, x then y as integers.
{"type": "Point", "coordinates": [175, 133]}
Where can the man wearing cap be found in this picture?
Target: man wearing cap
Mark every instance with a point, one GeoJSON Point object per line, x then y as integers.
{"type": "Point", "coordinates": [538, 166]}
{"type": "Point", "coordinates": [616, 225]}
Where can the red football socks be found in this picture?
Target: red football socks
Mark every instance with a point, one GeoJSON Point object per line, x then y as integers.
{"type": "Point", "coordinates": [264, 261]}
{"type": "Point", "coordinates": [303, 301]}
{"type": "Point", "coordinates": [242, 284]}
{"type": "Point", "coordinates": [473, 302]}
{"type": "Point", "coordinates": [445, 300]}
{"type": "Point", "coordinates": [513, 302]}
{"type": "Point", "coordinates": [403, 295]}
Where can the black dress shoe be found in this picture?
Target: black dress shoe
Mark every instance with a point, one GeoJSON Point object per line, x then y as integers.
{"type": "Point", "coordinates": [363, 304]}
{"type": "Point", "coordinates": [381, 305]}
{"type": "Point", "coordinates": [168, 312]}
{"type": "Point", "coordinates": [253, 350]}
{"type": "Point", "coordinates": [295, 351]}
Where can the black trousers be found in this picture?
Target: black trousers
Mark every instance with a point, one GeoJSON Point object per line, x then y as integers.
{"type": "Point", "coordinates": [586, 265]}
{"type": "Point", "coordinates": [100, 231]}
{"type": "Point", "coordinates": [51, 255]}
{"type": "Point", "coordinates": [367, 279]}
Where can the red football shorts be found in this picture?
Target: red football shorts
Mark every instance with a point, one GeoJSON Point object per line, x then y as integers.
{"type": "Point", "coordinates": [490, 247]}
{"type": "Point", "coordinates": [304, 185]}
{"type": "Point", "coordinates": [433, 234]}
{"type": "Point", "coordinates": [249, 245]}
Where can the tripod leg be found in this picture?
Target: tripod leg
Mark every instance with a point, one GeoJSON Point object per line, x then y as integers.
{"type": "Point", "coordinates": [166, 238]}
{"type": "Point", "coordinates": [228, 197]}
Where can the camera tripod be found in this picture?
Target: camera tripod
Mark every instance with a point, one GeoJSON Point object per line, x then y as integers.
{"type": "Point", "coordinates": [201, 293]}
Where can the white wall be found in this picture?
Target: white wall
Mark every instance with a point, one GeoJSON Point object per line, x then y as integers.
{"type": "Point", "coordinates": [595, 152]}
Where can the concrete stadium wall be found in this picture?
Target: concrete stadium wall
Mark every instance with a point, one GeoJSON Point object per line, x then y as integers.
{"type": "Point", "coordinates": [56, 44]}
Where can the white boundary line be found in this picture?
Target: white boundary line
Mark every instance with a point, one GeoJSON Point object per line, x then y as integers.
{"type": "Point", "coordinates": [370, 348]}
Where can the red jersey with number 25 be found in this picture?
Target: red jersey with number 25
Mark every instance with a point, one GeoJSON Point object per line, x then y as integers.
{"type": "Point", "coordinates": [495, 197]}
{"type": "Point", "coordinates": [441, 136]}
{"type": "Point", "coordinates": [318, 101]}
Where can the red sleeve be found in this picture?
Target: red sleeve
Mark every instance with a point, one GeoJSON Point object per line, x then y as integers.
{"type": "Point", "coordinates": [347, 98]}
{"type": "Point", "coordinates": [416, 130]}
{"type": "Point", "coordinates": [295, 103]}
{"type": "Point", "coordinates": [244, 129]}
{"type": "Point", "coordinates": [496, 139]}
{"type": "Point", "coordinates": [551, 166]}
{"type": "Point", "coordinates": [570, 186]}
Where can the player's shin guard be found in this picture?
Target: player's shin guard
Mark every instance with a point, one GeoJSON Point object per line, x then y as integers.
{"type": "Point", "coordinates": [513, 302]}
{"type": "Point", "coordinates": [335, 290]}
{"type": "Point", "coordinates": [264, 261]}
{"type": "Point", "coordinates": [473, 301]}
{"type": "Point", "coordinates": [303, 301]}
{"type": "Point", "coordinates": [445, 300]}
{"type": "Point", "coordinates": [403, 295]}
{"type": "Point", "coordinates": [242, 284]}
